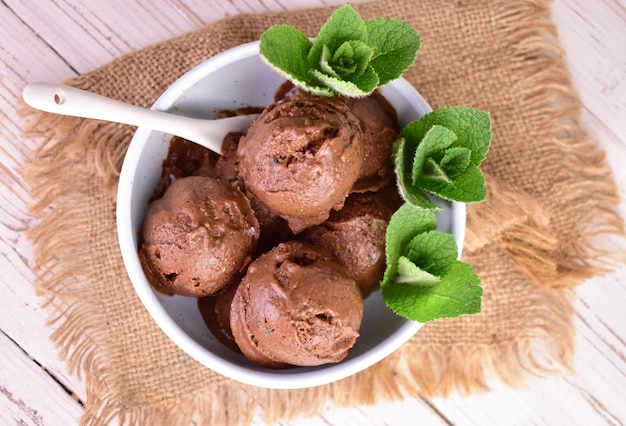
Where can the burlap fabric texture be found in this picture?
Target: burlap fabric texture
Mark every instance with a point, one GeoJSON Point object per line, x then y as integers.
{"type": "Point", "coordinates": [531, 242]}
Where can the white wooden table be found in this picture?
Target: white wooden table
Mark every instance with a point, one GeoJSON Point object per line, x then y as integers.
{"type": "Point", "coordinates": [52, 40]}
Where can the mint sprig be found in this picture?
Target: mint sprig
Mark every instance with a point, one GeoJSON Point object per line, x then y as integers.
{"type": "Point", "coordinates": [423, 280]}
{"type": "Point", "coordinates": [349, 56]}
{"type": "Point", "coordinates": [440, 153]}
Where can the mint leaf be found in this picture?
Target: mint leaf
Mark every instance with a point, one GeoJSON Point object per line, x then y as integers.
{"type": "Point", "coordinates": [395, 44]}
{"type": "Point", "coordinates": [348, 57]}
{"type": "Point", "coordinates": [423, 279]}
{"type": "Point", "coordinates": [456, 293]}
{"type": "Point", "coordinates": [471, 126]}
{"type": "Point", "coordinates": [365, 84]}
{"type": "Point", "coordinates": [468, 187]}
{"type": "Point", "coordinates": [346, 71]}
{"type": "Point", "coordinates": [436, 140]}
{"type": "Point", "coordinates": [440, 153]}
{"type": "Point", "coordinates": [406, 222]}
{"type": "Point", "coordinates": [455, 161]}
{"type": "Point", "coordinates": [325, 63]}
{"type": "Point", "coordinates": [433, 251]}
{"type": "Point", "coordinates": [412, 194]}
{"type": "Point", "coordinates": [410, 273]}
{"type": "Point", "coordinates": [285, 49]}
{"type": "Point", "coordinates": [342, 26]}
{"type": "Point", "coordinates": [351, 59]}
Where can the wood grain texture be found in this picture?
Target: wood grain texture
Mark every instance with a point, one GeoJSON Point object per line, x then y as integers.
{"type": "Point", "coordinates": [28, 396]}
{"type": "Point", "coordinates": [52, 40]}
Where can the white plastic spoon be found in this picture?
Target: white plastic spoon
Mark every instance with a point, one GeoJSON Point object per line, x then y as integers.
{"type": "Point", "coordinates": [66, 100]}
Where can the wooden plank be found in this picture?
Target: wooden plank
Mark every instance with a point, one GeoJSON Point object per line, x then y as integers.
{"type": "Point", "coordinates": [28, 396]}
{"type": "Point", "coordinates": [21, 316]}
{"type": "Point", "coordinates": [408, 412]}
{"type": "Point", "coordinates": [25, 58]}
{"type": "Point", "coordinates": [100, 31]}
{"type": "Point", "coordinates": [593, 35]}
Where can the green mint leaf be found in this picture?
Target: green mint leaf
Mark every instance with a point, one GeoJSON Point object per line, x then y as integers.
{"type": "Point", "coordinates": [395, 44]}
{"type": "Point", "coordinates": [456, 161]}
{"type": "Point", "coordinates": [329, 48]}
{"type": "Point", "coordinates": [434, 170]}
{"type": "Point", "coordinates": [433, 251]}
{"type": "Point", "coordinates": [406, 222]}
{"type": "Point", "coordinates": [346, 71]}
{"type": "Point", "coordinates": [435, 141]}
{"type": "Point", "coordinates": [471, 126]}
{"type": "Point", "coordinates": [469, 187]}
{"type": "Point", "coordinates": [343, 59]}
{"type": "Point", "coordinates": [411, 274]}
{"type": "Point", "coordinates": [285, 49]}
{"type": "Point", "coordinates": [456, 293]}
{"type": "Point", "coordinates": [411, 193]}
{"type": "Point", "coordinates": [440, 153]}
{"type": "Point", "coordinates": [349, 56]}
{"type": "Point", "coordinates": [343, 25]}
{"type": "Point", "coordinates": [366, 83]}
{"type": "Point", "coordinates": [424, 280]}
{"type": "Point", "coordinates": [291, 59]}
{"type": "Point", "coordinates": [326, 63]}
{"type": "Point", "coordinates": [351, 59]}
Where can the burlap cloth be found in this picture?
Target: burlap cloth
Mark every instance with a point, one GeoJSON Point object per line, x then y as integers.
{"type": "Point", "coordinates": [531, 242]}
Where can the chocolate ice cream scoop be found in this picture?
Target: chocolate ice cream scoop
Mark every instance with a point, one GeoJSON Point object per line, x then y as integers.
{"type": "Point", "coordinates": [215, 311]}
{"type": "Point", "coordinates": [184, 158]}
{"type": "Point", "coordinates": [301, 157]}
{"type": "Point", "coordinates": [227, 165]}
{"type": "Point", "coordinates": [355, 235]}
{"type": "Point", "coordinates": [274, 229]}
{"type": "Point", "coordinates": [198, 237]}
{"type": "Point", "coordinates": [379, 124]}
{"type": "Point", "coordinates": [296, 306]}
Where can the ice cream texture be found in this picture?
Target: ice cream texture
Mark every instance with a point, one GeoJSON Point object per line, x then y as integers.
{"type": "Point", "coordinates": [198, 237]}
{"type": "Point", "coordinates": [301, 158]}
{"type": "Point", "coordinates": [379, 125]}
{"type": "Point", "coordinates": [215, 311]}
{"type": "Point", "coordinates": [296, 306]}
{"type": "Point", "coordinates": [355, 235]}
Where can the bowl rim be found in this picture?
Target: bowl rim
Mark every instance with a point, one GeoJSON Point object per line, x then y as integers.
{"type": "Point", "coordinates": [148, 296]}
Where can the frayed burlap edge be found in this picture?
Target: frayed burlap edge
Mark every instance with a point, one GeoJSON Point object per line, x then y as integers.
{"type": "Point", "coordinates": [67, 293]}
{"type": "Point", "coordinates": [547, 256]}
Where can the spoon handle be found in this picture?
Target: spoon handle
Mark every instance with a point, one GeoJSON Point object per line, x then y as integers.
{"type": "Point", "coordinates": [67, 100]}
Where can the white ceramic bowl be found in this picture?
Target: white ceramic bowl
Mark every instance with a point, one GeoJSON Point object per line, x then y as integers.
{"type": "Point", "coordinates": [232, 79]}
